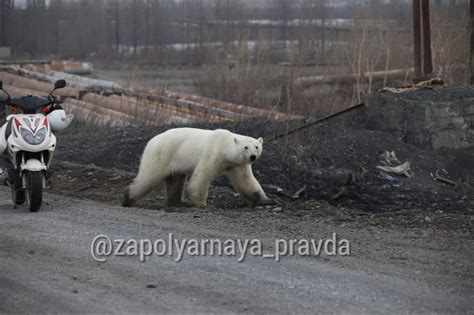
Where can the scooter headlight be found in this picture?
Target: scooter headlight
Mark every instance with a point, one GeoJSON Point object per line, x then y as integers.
{"type": "Point", "coordinates": [28, 136]}
{"type": "Point", "coordinates": [31, 138]}
{"type": "Point", "coordinates": [40, 136]}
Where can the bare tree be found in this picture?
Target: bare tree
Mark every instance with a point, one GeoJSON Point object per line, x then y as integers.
{"type": "Point", "coordinates": [322, 5]}
{"type": "Point", "coordinates": [147, 25]}
{"type": "Point", "coordinates": [57, 11]}
{"type": "Point", "coordinates": [283, 8]}
{"type": "Point", "coordinates": [117, 28]}
{"type": "Point", "coordinates": [135, 27]}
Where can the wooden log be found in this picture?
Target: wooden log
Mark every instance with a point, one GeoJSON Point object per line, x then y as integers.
{"type": "Point", "coordinates": [92, 117]}
{"type": "Point", "coordinates": [400, 74]}
{"type": "Point", "coordinates": [113, 114]}
{"type": "Point", "coordinates": [232, 111]}
{"type": "Point", "coordinates": [42, 87]}
{"type": "Point", "coordinates": [143, 111]}
{"type": "Point", "coordinates": [15, 91]}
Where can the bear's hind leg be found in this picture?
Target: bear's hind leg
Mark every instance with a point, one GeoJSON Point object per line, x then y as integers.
{"type": "Point", "coordinates": [174, 190]}
{"type": "Point", "coordinates": [143, 184]}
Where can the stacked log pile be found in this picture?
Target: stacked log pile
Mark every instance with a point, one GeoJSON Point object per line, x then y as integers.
{"type": "Point", "coordinates": [42, 87]}
{"type": "Point", "coordinates": [106, 103]}
{"type": "Point", "coordinates": [96, 115]}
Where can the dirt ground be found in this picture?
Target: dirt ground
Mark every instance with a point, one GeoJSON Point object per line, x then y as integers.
{"type": "Point", "coordinates": [47, 265]}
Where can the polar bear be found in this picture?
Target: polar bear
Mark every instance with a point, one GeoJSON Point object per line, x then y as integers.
{"type": "Point", "coordinates": [196, 157]}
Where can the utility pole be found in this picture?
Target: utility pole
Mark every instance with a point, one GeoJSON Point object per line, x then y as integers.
{"type": "Point", "coordinates": [4, 23]}
{"type": "Point", "coordinates": [471, 60]}
{"type": "Point", "coordinates": [422, 39]}
{"type": "Point", "coordinates": [417, 36]}
{"type": "Point", "coordinates": [427, 58]}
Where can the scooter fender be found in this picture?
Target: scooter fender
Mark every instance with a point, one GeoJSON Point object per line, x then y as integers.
{"type": "Point", "coordinates": [33, 165]}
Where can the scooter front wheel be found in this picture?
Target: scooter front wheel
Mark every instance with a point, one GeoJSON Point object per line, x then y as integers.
{"type": "Point", "coordinates": [34, 189]}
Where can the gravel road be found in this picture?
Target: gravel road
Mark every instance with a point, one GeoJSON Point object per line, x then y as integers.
{"type": "Point", "coordinates": [46, 265]}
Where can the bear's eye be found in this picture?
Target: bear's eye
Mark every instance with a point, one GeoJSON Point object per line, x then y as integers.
{"type": "Point", "coordinates": [246, 148]}
{"type": "Point", "coordinates": [256, 148]}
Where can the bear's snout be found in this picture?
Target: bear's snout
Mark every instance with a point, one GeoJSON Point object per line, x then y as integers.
{"type": "Point", "coordinates": [253, 158]}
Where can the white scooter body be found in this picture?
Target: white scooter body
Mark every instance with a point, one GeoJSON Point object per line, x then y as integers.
{"type": "Point", "coordinates": [31, 143]}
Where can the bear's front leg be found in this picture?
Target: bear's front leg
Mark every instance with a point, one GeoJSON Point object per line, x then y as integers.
{"type": "Point", "coordinates": [247, 185]}
{"type": "Point", "coordinates": [204, 173]}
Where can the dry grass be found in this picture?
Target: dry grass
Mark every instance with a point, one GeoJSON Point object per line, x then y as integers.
{"type": "Point", "coordinates": [252, 76]}
{"type": "Point", "coordinates": [450, 42]}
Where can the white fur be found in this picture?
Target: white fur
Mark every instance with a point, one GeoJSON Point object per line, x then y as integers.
{"type": "Point", "coordinates": [197, 156]}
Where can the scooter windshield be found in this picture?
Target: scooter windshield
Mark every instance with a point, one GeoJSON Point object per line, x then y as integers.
{"type": "Point", "coordinates": [30, 104]}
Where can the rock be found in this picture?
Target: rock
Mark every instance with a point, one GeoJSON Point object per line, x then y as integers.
{"type": "Point", "coordinates": [293, 159]}
{"type": "Point", "coordinates": [435, 119]}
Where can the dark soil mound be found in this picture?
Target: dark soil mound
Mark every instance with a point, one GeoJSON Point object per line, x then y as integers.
{"type": "Point", "coordinates": [335, 160]}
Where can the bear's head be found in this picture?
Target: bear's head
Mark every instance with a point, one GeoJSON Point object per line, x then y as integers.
{"type": "Point", "coordinates": [248, 149]}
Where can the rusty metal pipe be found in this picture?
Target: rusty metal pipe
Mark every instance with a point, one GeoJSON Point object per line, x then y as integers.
{"type": "Point", "coordinates": [417, 37]}
{"type": "Point", "coordinates": [427, 58]}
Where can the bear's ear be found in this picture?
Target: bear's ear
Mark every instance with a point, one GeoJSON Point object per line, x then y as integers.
{"type": "Point", "coordinates": [260, 140]}
{"type": "Point", "coordinates": [236, 141]}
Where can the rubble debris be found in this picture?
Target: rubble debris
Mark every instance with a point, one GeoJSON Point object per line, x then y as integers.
{"type": "Point", "coordinates": [390, 161]}
{"type": "Point", "coordinates": [427, 84]}
{"type": "Point", "coordinates": [403, 169]}
{"type": "Point", "coordinates": [443, 179]}
{"type": "Point", "coordinates": [340, 194]}
{"type": "Point", "coordinates": [391, 158]}
{"type": "Point", "coordinates": [297, 194]}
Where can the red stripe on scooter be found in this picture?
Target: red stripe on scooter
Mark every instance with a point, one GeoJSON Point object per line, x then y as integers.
{"type": "Point", "coordinates": [17, 122]}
